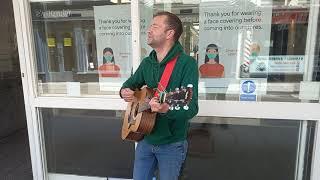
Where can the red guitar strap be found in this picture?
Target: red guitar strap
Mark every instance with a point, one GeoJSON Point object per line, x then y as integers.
{"type": "Point", "coordinates": [166, 76]}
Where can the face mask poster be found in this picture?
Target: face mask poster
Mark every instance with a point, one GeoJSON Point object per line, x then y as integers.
{"type": "Point", "coordinates": [231, 36]}
{"type": "Point", "coordinates": [113, 44]}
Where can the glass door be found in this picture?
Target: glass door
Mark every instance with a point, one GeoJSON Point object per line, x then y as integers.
{"type": "Point", "coordinates": [260, 109]}
{"type": "Point", "coordinates": [77, 55]}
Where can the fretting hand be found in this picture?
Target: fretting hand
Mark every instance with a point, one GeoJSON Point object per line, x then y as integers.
{"type": "Point", "coordinates": [157, 107]}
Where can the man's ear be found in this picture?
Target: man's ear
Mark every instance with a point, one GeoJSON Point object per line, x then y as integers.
{"type": "Point", "coordinates": [170, 34]}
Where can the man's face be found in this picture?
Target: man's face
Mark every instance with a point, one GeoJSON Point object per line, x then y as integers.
{"type": "Point", "coordinates": [158, 32]}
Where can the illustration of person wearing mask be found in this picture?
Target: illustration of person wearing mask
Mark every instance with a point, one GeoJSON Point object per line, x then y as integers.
{"type": "Point", "coordinates": [108, 68]}
{"type": "Point", "coordinates": [211, 67]}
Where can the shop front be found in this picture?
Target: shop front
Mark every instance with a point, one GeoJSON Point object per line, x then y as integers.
{"type": "Point", "coordinates": [258, 105]}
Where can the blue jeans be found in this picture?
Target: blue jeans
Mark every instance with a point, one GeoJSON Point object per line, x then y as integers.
{"type": "Point", "coordinates": [168, 158]}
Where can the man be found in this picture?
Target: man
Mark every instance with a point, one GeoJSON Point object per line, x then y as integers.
{"type": "Point", "coordinates": [166, 146]}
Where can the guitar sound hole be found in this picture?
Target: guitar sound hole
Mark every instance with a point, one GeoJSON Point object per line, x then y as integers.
{"type": "Point", "coordinates": [136, 110]}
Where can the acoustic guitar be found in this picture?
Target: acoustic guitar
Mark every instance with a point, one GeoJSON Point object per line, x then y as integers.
{"type": "Point", "coordinates": [140, 120]}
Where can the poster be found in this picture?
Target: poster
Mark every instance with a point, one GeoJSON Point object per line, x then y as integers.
{"type": "Point", "coordinates": [286, 64]}
{"type": "Point", "coordinates": [113, 41]}
{"type": "Point", "coordinates": [230, 35]}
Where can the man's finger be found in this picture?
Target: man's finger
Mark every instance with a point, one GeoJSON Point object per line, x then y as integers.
{"type": "Point", "coordinates": [154, 109]}
{"type": "Point", "coordinates": [127, 90]}
{"type": "Point", "coordinates": [128, 99]}
{"type": "Point", "coordinates": [155, 98]}
{"type": "Point", "coordinates": [127, 93]}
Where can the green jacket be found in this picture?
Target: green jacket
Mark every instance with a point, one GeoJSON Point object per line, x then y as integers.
{"type": "Point", "coordinates": [173, 125]}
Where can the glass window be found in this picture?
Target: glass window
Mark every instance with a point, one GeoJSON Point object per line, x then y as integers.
{"type": "Point", "coordinates": [233, 148]}
{"type": "Point", "coordinates": [249, 50]}
{"type": "Point", "coordinates": [83, 48]}
{"type": "Point", "coordinates": [86, 143]}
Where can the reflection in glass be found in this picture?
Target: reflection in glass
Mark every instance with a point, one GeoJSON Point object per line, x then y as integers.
{"type": "Point", "coordinates": [66, 47]}
{"type": "Point", "coordinates": [228, 148]}
{"type": "Point", "coordinates": [86, 143]}
{"type": "Point", "coordinates": [264, 42]}
{"type": "Point", "coordinates": [81, 50]}
{"type": "Point", "coordinates": [65, 36]}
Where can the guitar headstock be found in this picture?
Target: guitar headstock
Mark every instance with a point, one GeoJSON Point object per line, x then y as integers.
{"type": "Point", "coordinates": [178, 98]}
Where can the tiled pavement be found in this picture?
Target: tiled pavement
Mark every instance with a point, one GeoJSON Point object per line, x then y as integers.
{"type": "Point", "coordinates": [15, 162]}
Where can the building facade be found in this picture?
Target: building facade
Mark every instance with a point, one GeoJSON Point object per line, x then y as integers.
{"type": "Point", "coordinates": [258, 119]}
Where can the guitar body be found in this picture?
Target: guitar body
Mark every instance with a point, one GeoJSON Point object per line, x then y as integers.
{"type": "Point", "coordinates": [138, 119]}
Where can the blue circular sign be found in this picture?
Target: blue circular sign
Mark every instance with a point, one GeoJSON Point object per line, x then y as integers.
{"type": "Point", "coordinates": [248, 87]}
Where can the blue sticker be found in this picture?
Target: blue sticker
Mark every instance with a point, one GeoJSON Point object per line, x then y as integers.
{"type": "Point", "coordinates": [245, 97]}
{"type": "Point", "coordinates": [248, 87]}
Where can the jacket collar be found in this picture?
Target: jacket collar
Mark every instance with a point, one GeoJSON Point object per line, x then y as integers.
{"type": "Point", "coordinates": [175, 50]}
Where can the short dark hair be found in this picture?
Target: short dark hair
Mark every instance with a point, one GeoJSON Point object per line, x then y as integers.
{"type": "Point", "coordinates": [173, 22]}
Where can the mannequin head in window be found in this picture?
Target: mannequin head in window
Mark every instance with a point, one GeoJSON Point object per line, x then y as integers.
{"type": "Point", "coordinates": [108, 57]}
{"type": "Point", "coordinates": [254, 49]}
{"type": "Point", "coordinates": [212, 54]}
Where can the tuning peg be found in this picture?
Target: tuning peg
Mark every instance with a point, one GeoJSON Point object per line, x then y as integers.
{"type": "Point", "coordinates": [190, 86]}
{"type": "Point", "coordinates": [186, 107]}
{"type": "Point", "coordinates": [171, 108]}
{"type": "Point", "coordinates": [177, 107]}
{"type": "Point", "coordinates": [177, 89]}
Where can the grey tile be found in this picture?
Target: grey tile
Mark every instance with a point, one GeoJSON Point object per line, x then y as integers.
{"type": "Point", "coordinates": [15, 162]}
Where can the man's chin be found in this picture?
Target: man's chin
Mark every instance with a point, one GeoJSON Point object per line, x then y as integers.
{"type": "Point", "coordinates": [150, 44]}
